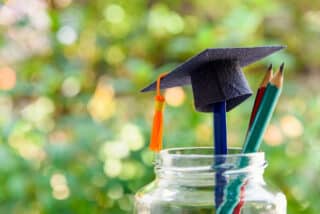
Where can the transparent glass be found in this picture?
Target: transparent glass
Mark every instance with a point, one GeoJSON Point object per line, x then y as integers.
{"type": "Point", "coordinates": [192, 180]}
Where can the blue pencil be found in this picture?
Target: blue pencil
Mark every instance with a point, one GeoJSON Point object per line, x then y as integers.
{"type": "Point", "coordinates": [220, 144]}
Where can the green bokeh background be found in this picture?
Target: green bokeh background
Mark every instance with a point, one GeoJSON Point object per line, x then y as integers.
{"type": "Point", "coordinates": [74, 129]}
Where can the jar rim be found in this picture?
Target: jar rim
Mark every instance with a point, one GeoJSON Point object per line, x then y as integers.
{"type": "Point", "coordinates": [202, 159]}
{"type": "Point", "coordinates": [236, 152]}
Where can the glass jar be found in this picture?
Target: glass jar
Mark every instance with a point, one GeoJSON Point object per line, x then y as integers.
{"type": "Point", "coordinates": [192, 180]}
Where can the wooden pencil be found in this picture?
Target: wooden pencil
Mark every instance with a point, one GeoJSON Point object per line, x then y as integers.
{"type": "Point", "coordinates": [260, 92]}
{"type": "Point", "coordinates": [264, 113]}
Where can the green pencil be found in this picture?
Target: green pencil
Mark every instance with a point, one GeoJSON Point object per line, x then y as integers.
{"type": "Point", "coordinates": [264, 114]}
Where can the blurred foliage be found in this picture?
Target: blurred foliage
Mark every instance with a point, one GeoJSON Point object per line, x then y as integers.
{"type": "Point", "coordinates": [75, 129]}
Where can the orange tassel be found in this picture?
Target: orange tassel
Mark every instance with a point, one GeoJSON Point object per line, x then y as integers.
{"type": "Point", "coordinates": [157, 128]}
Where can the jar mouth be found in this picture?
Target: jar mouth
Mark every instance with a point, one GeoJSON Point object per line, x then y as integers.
{"type": "Point", "coordinates": [204, 152]}
{"type": "Point", "coordinates": [202, 159]}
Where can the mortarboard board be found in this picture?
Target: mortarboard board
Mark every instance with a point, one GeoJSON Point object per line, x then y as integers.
{"type": "Point", "coordinates": [215, 75]}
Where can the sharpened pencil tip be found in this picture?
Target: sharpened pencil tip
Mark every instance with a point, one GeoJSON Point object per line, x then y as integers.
{"type": "Point", "coordinates": [267, 77]}
{"type": "Point", "coordinates": [281, 67]}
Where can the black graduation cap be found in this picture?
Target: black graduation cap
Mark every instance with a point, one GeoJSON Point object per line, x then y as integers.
{"type": "Point", "coordinates": [215, 75]}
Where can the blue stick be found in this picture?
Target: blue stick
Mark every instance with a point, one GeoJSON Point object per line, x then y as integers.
{"type": "Point", "coordinates": [220, 144]}
{"type": "Point", "coordinates": [220, 128]}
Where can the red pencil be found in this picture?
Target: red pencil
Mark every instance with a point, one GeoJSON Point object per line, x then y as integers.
{"type": "Point", "coordinates": [267, 78]}
{"type": "Point", "coordinates": [260, 93]}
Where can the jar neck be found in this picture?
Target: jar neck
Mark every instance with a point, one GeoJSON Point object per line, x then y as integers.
{"type": "Point", "coordinates": [197, 166]}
